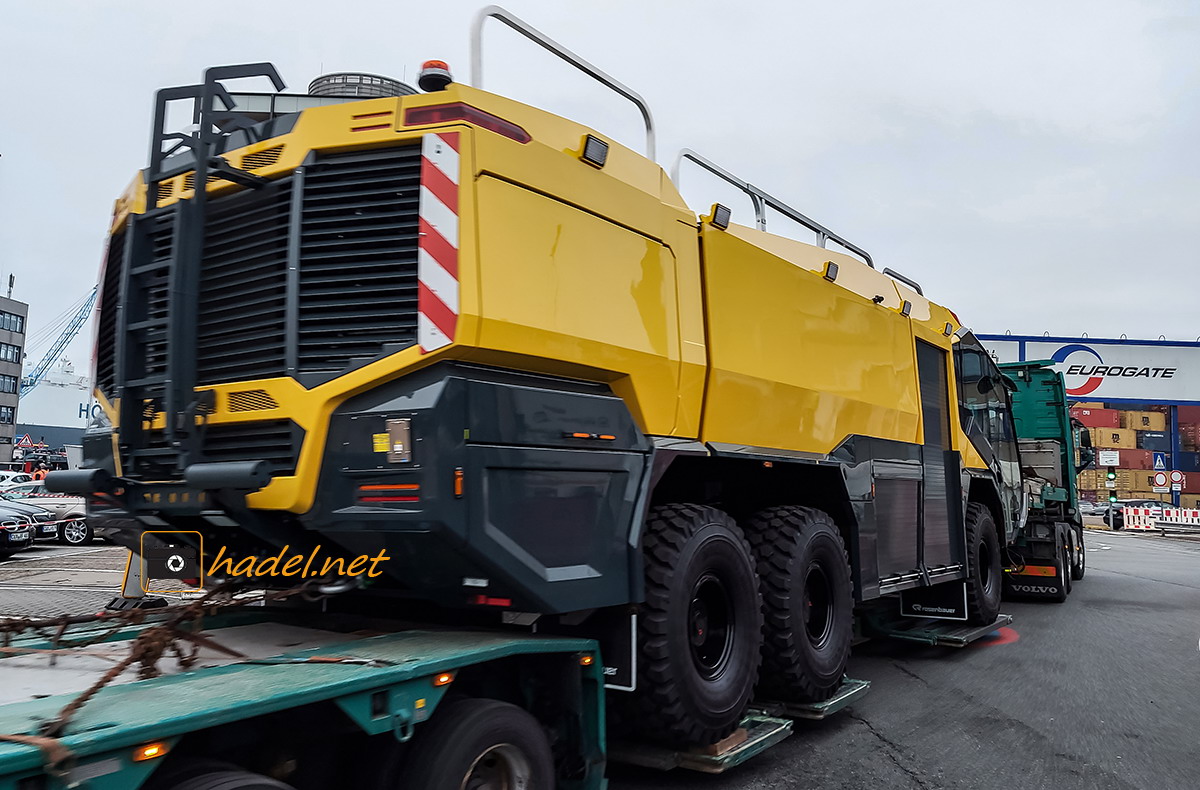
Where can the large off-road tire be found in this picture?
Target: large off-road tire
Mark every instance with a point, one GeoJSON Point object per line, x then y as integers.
{"type": "Point", "coordinates": [983, 556]}
{"type": "Point", "coordinates": [1079, 561]}
{"type": "Point", "coordinates": [478, 743]}
{"type": "Point", "coordinates": [699, 630]}
{"type": "Point", "coordinates": [808, 603]}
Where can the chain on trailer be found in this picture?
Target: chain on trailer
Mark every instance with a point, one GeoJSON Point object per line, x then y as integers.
{"type": "Point", "coordinates": [146, 649]}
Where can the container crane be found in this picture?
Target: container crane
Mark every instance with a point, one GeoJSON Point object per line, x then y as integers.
{"type": "Point", "coordinates": [68, 334]}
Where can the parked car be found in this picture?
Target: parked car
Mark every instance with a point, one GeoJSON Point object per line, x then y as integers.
{"type": "Point", "coordinates": [1093, 508]}
{"type": "Point", "coordinates": [16, 533]}
{"type": "Point", "coordinates": [44, 521]}
{"type": "Point", "coordinates": [68, 510]}
{"type": "Point", "coordinates": [8, 478]}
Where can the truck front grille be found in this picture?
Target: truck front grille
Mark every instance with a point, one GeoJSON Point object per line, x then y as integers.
{"type": "Point", "coordinates": [358, 259]}
{"type": "Point", "coordinates": [275, 441]}
{"type": "Point", "coordinates": [106, 329]}
{"type": "Point", "coordinates": [243, 287]}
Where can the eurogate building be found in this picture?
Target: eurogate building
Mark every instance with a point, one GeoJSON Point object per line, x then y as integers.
{"type": "Point", "coordinates": [1140, 400]}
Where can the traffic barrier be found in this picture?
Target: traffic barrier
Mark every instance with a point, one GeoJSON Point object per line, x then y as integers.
{"type": "Point", "coordinates": [1180, 517]}
{"type": "Point", "coordinates": [1152, 519]}
{"type": "Point", "coordinates": [1140, 519]}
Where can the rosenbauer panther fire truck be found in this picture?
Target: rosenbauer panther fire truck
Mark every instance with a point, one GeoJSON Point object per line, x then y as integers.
{"type": "Point", "coordinates": [499, 347]}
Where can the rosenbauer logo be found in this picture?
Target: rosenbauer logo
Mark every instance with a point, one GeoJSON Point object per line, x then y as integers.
{"type": "Point", "coordinates": [1096, 372]}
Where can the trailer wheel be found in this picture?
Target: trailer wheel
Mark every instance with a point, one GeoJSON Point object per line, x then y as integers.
{"type": "Point", "coordinates": [808, 604]}
{"type": "Point", "coordinates": [1062, 573]}
{"type": "Point", "coordinates": [1068, 557]}
{"type": "Point", "coordinates": [231, 779]}
{"type": "Point", "coordinates": [479, 743]}
{"type": "Point", "coordinates": [983, 555]}
{"type": "Point", "coordinates": [700, 629]}
{"type": "Point", "coordinates": [1079, 563]}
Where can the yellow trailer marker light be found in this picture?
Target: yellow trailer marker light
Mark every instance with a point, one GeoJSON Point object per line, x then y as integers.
{"type": "Point", "coordinates": [443, 679]}
{"type": "Point", "coordinates": [586, 660]}
{"type": "Point", "coordinates": [459, 485]}
{"type": "Point", "coordinates": [150, 751]}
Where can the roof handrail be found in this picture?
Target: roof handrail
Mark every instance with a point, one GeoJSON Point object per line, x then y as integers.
{"type": "Point", "coordinates": [763, 200]}
{"type": "Point", "coordinates": [552, 46]}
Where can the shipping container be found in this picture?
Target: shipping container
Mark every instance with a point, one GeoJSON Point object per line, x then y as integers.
{"type": "Point", "coordinates": [1191, 501]}
{"type": "Point", "coordinates": [1156, 441]}
{"type": "Point", "coordinates": [1188, 462]}
{"type": "Point", "coordinates": [1087, 479]}
{"type": "Point", "coordinates": [1114, 438]}
{"type": "Point", "coordinates": [1144, 420]}
{"type": "Point", "coordinates": [1137, 459]}
{"type": "Point", "coordinates": [1189, 414]}
{"type": "Point", "coordinates": [1098, 418]}
{"type": "Point", "coordinates": [1087, 405]}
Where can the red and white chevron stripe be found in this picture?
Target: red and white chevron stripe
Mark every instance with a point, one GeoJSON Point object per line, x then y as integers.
{"type": "Point", "coordinates": [437, 245]}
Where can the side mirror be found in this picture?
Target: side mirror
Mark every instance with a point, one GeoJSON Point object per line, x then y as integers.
{"type": "Point", "coordinates": [985, 384]}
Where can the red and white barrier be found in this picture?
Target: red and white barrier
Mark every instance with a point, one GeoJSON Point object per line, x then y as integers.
{"type": "Point", "coordinates": [1146, 519]}
{"type": "Point", "coordinates": [1140, 518]}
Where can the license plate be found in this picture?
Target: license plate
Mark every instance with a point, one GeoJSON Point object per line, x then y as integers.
{"type": "Point", "coordinates": [49, 529]}
{"type": "Point", "coordinates": [19, 540]}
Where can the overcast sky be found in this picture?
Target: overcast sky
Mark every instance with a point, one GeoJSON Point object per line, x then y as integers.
{"type": "Point", "coordinates": [1034, 165]}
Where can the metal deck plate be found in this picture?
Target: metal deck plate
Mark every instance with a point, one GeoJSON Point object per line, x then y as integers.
{"type": "Point", "coordinates": [940, 633]}
{"type": "Point", "coordinates": [850, 691]}
{"type": "Point", "coordinates": [762, 732]}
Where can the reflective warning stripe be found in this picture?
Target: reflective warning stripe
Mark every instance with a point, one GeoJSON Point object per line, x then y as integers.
{"type": "Point", "coordinates": [437, 242]}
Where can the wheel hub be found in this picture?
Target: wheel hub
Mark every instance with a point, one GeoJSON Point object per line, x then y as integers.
{"type": "Point", "coordinates": [710, 626]}
{"type": "Point", "coordinates": [502, 767]}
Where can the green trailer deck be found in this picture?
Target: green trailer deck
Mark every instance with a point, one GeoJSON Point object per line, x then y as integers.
{"type": "Point", "coordinates": [383, 683]}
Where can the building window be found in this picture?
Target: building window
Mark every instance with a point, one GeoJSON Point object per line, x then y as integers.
{"type": "Point", "coordinates": [8, 384]}
{"type": "Point", "coordinates": [12, 322]}
{"type": "Point", "coordinates": [10, 353]}
{"type": "Point", "coordinates": [7, 415]}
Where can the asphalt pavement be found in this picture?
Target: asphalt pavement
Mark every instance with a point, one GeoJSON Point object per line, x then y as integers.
{"type": "Point", "coordinates": [1102, 692]}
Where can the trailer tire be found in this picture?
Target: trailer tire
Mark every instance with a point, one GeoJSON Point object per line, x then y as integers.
{"type": "Point", "coordinates": [699, 630]}
{"type": "Point", "coordinates": [984, 582]}
{"type": "Point", "coordinates": [470, 740]}
{"type": "Point", "coordinates": [1079, 563]}
{"type": "Point", "coordinates": [808, 603]}
{"type": "Point", "coordinates": [231, 779]}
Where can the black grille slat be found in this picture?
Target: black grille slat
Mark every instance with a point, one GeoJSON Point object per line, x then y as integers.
{"type": "Point", "coordinates": [243, 287]}
{"type": "Point", "coordinates": [358, 269]}
{"type": "Point", "coordinates": [275, 441]}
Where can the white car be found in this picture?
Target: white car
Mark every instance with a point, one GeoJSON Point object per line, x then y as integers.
{"type": "Point", "coordinates": [9, 479]}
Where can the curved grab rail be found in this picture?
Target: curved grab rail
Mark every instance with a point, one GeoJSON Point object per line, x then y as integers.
{"type": "Point", "coordinates": [552, 46]}
{"type": "Point", "coordinates": [762, 201]}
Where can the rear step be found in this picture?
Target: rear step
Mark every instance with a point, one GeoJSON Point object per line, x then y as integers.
{"type": "Point", "coordinates": [935, 632]}
{"type": "Point", "coordinates": [765, 725]}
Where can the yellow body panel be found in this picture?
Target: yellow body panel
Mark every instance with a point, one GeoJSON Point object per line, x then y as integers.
{"type": "Point", "coordinates": [799, 363]}
{"type": "Point", "coordinates": [728, 336]}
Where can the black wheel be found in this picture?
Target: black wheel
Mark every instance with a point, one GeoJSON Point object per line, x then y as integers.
{"type": "Point", "coordinates": [479, 744]}
{"type": "Point", "coordinates": [1079, 566]}
{"type": "Point", "coordinates": [808, 604]}
{"type": "Point", "coordinates": [983, 556]}
{"type": "Point", "coordinates": [1068, 556]}
{"type": "Point", "coordinates": [227, 779]}
{"type": "Point", "coordinates": [74, 533]}
{"type": "Point", "coordinates": [1062, 574]}
{"type": "Point", "coordinates": [700, 628]}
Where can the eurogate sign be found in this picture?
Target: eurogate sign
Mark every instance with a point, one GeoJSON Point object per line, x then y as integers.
{"type": "Point", "coordinates": [1148, 371]}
